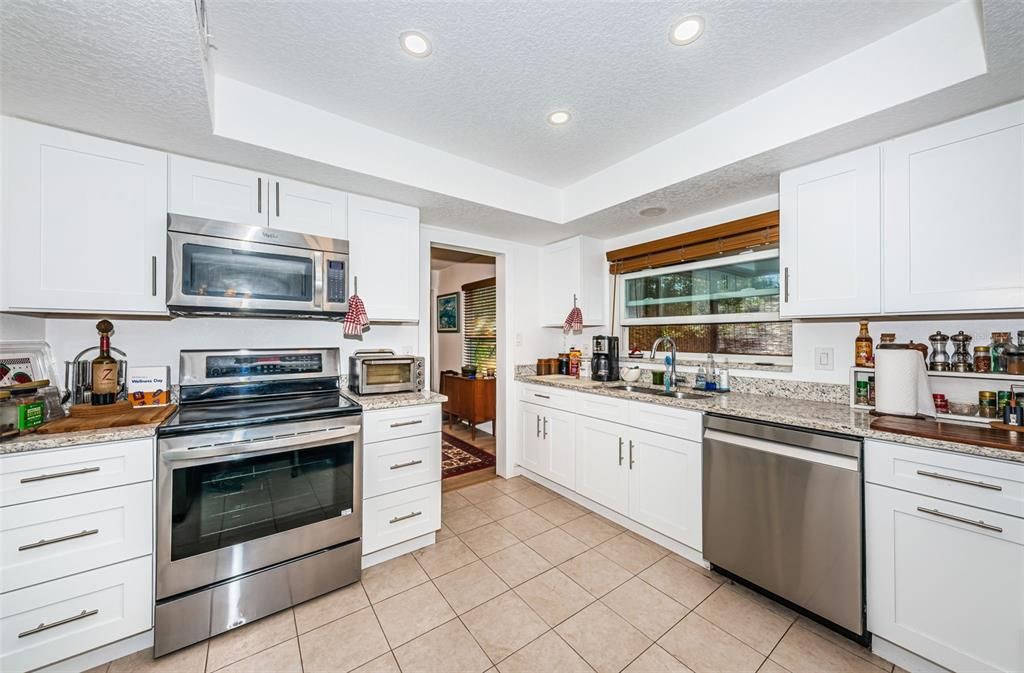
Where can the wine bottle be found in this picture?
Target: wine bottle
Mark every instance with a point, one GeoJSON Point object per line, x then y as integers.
{"type": "Point", "coordinates": [104, 368]}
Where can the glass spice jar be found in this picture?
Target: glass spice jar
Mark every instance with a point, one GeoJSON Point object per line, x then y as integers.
{"type": "Point", "coordinates": [1000, 342]}
{"type": "Point", "coordinates": [987, 404]}
{"type": "Point", "coordinates": [982, 359]}
{"type": "Point", "coordinates": [888, 338]}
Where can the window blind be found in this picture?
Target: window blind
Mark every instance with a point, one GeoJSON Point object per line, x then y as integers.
{"type": "Point", "coordinates": [480, 324]}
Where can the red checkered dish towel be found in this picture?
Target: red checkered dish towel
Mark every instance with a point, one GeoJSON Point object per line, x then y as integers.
{"type": "Point", "coordinates": [356, 320]}
{"type": "Point", "coordinates": [573, 321]}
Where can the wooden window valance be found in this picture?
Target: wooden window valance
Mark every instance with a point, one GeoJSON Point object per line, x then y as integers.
{"type": "Point", "coordinates": [748, 233]}
{"type": "Point", "coordinates": [476, 284]}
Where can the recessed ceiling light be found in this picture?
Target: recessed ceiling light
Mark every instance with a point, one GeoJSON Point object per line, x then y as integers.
{"type": "Point", "coordinates": [686, 31]}
{"type": "Point", "coordinates": [415, 44]}
{"type": "Point", "coordinates": [559, 117]}
{"type": "Point", "coordinates": [653, 211]}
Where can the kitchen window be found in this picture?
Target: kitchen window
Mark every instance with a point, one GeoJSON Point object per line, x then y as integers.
{"type": "Point", "coordinates": [479, 341]}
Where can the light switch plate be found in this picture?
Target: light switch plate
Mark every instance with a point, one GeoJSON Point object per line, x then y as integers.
{"type": "Point", "coordinates": [824, 358]}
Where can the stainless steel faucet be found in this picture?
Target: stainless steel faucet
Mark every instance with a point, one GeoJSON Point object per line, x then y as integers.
{"type": "Point", "coordinates": [672, 371]}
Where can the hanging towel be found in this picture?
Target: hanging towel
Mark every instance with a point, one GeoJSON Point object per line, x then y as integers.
{"type": "Point", "coordinates": [573, 321]}
{"type": "Point", "coordinates": [356, 320]}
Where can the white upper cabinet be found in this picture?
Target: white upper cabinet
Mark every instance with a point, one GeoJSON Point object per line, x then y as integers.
{"type": "Point", "coordinates": [954, 215]}
{"type": "Point", "coordinates": [308, 209]}
{"type": "Point", "coordinates": [384, 253]}
{"type": "Point", "coordinates": [86, 222]}
{"type": "Point", "coordinates": [830, 228]}
{"type": "Point", "coordinates": [217, 192]}
{"type": "Point", "coordinates": [573, 269]}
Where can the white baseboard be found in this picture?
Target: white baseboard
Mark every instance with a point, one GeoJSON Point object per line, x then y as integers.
{"type": "Point", "coordinates": [101, 655]}
{"type": "Point", "coordinates": [397, 550]}
{"type": "Point", "coordinates": [905, 659]}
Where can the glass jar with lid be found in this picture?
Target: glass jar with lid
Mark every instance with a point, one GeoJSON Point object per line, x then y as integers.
{"type": "Point", "coordinates": [1000, 342]}
{"type": "Point", "coordinates": [982, 359]}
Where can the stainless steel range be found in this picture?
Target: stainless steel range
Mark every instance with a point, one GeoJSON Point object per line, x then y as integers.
{"type": "Point", "coordinates": [258, 490]}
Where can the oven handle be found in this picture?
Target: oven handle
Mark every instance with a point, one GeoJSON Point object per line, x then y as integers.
{"type": "Point", "coordinates": [268, 445]}
{"type": "Point", "coordinates": [318, 279]}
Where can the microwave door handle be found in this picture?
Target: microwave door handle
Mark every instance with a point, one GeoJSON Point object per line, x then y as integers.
{"type": "Point", "coordinates": [277, 444]}
{"type": "Point", "coordinates": [318, 279]}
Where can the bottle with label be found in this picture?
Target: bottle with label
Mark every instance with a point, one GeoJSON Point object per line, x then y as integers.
{"type": "Point", "coordinates": [723, 378]}
{"type": "Point", "coordinates": [104, 368]}
{"type": "Point", "coordinates": [710, 374]}
{"type": "Point", "coordinates": [863, 347]}
{"type": "Point", "coordinates": [700, 380]}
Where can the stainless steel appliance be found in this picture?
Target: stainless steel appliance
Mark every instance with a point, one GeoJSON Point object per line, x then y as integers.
{"type": "Point", "coordinates": [604, 366]}
{"type": "Point", "coordinates": [259, 490]}
{"type": "Point", "coordinates": [381, 371]}
{"type": "Point", "coordinates": [221, 268]}
{"type": "Point", "coordinates": [783, 509]}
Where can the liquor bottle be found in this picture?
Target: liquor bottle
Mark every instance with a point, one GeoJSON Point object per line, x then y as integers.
{"type": "Point", "coordinates": [863, 347]}
{"type": "Point", "coordinates": [104, 368]}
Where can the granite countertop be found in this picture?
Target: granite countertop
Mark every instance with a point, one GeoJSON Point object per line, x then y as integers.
{"type": "Point", "coordinates": [827, 416]}
{"type": "Point", "coordinates": [37, 442]}
{"type": "Point", "coordinates": [396, 400]}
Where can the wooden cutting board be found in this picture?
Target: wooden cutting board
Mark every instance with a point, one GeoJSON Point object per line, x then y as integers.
{"type": "Point", "coordinates": [117, 419]}
{"type": "Point", "coordinates": [951, 432]}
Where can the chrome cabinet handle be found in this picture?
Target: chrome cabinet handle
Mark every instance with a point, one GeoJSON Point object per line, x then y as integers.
{"type": "Point", "coordinates": [277, 198]}
{"type": "Point", "coordinates": [538, 426]}
{"type": "Point", "coordinates": [620, 451]}
{"type": "Point", "coordinates": [153, 267]}
{"type": "Point", "coordinates": [954, 517]}
{"type": "Point", "coordinates": [969, 482]}
{"type": "Point", "coordinates": [545, 427]}
{"type": "Point", "coordinates": [57, 475]}
{"type": "Point", "coordinates": [259, 195]}
{"type": "Point", "coordinates": [543, 397]}
{"type": "Point", "coordinates": [67, 620]}
{"type": "Point", "coordinates": [411, 515]}
{"type": "Point", "coordinates": [399, 466]}
{"type": "Point", "coordinates": [405, 423]}
{"type": "Point", "coordinates": [786, 285]}
{"type": "Point", "coordinates": [55, 540]}
{"type": "Point", "coordinates": [631, 461]}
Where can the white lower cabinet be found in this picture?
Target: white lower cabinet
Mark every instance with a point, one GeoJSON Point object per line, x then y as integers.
{"type": "Point", "coordinates": [665, 485]}
{"type": "Point", "coordinates": [547, 443]}
{"type": "Point", "coordinates": [601, 471]}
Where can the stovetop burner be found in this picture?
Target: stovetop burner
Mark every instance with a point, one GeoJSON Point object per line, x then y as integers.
{"type": "Point", "coordinates": [205, 416]}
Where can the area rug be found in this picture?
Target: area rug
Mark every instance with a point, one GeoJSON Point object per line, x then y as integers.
{"type": "Point", "coordinates": [460, 457]}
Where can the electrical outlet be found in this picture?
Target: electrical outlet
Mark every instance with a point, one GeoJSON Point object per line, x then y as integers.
{"type": "Point", "coordinates": [824, 358]}
{"type": "Point", "coordinates": [519, 338]}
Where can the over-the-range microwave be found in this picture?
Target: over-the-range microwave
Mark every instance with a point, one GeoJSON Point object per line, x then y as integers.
{"type": "Point", "coordinates": [223, 268]}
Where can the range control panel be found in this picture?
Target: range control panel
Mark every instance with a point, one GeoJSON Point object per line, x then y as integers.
{"type": "Point", "coordinates": [263, 364]}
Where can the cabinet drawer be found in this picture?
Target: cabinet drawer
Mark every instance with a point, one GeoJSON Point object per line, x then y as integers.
{"type": "Point", "coordinates": [971, 480]}
{"type": "Point", "coordinates": [379, 426]}
{"type": "Point", "coordinates": [50, 622]}
{"type": "Point", "coordinates": [667, 420]}
{"type": "Point", "coordinates": [546, 396]}
{"type": "Point", "coordinates": [400, 516]}
{"type": "Point", "coordinates": [401, 463]}
{"type": "Point", "coordinates": [37, 475]}
{"type": "Point", "coordinates": [607, 408]}
{"type": "Point", "coordinates": [48, 539]}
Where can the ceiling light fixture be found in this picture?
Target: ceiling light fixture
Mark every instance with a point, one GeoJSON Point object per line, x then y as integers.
{"type": "Point", "coordinates": [559, 117]}
{"type": "Point", "coordinates": [654, 211]}
{"type": "Point", "coordinates": [686, 31]}
{"type": "Point", "coordinates": [415, 44]}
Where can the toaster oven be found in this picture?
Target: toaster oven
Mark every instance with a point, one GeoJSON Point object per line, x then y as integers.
{"type": "Point", "coordinates": [381, 371]}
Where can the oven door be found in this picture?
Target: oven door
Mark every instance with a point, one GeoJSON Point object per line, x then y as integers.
{"type": "Point", "coordinates": [232, 502]}
{"type": "Point", "coordinates": [387, 375]}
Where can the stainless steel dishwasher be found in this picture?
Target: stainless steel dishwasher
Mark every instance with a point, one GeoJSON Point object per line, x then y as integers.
{"type": "Point", "coordinates": [783, 509]}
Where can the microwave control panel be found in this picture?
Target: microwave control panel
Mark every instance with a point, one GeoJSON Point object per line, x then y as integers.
{"type": "Point", "coordinates": [336, 290]}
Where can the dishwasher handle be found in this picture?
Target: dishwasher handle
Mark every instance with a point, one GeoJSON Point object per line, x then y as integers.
{"type": "Point", "coordinates": [796, 452]}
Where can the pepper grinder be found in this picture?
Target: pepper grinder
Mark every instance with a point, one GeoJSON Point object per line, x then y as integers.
{"type": "Point", "coordinates": [962, 361]}
{"type": "Point", "coordinates": [939, 360]}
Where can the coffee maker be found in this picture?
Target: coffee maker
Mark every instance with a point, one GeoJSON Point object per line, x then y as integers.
{"type": "Point", "coordinates": [604, 366]}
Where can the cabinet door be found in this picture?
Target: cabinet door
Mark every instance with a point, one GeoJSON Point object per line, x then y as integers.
{"type": "Point", "coordinates": [384, 249]}
{"type": "Point", "coordinates": [602, 473]}
{"type": "Point", "coordinates": [88, 222]}
{"type": "Point", "coordinates": [949, 590]}
{"type": "Point", "coordinates": [308, 209]}
{"type": "Point", "coordinates": [665, 485]}
{"type": "Point", "coordinates": [531, 444]}
{"type": "Point", "coordinates": [217, 192]}
{"type": "Point", "coordinates": [954, 215]}
{"type": "Point", "coordinates": [559, 431]}
{"type": "Point", "coordinates": [559, 281]}
{"type": "Point", "coordinates": [830, 230]}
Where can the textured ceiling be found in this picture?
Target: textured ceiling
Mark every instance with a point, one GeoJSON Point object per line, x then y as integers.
{"type": "Point", "coordinates": [497, 69]}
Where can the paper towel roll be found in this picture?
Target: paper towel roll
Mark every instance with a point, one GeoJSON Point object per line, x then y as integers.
{"type": "Point", "coordinates": [901, 383]}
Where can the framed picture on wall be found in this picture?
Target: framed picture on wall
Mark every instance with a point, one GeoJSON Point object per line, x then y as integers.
{"type": "Point", "coordinates": [448, 312]}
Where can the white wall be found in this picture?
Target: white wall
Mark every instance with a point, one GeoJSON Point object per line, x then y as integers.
{"type": "Point", "coordinates": [447, 346]}
{"type": "Point", "coordinates": [21, 328]}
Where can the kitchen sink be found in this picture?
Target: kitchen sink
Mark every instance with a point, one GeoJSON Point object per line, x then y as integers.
{"type": "Point", "coordinates": [657, 392]}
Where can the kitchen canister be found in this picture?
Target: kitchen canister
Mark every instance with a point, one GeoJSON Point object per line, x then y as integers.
{"type": "Point", "coordinates": [901, 382]}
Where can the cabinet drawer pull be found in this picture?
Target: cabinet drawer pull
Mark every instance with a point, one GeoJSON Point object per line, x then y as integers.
{"type": "Point", "coordinates": [786, 286]}
{"type": "Point", "coordinates": [954, 517]}
{"type": "Point", "coordinates": [543, 397]}
{"type": "Point", "coordinates": [631, 461]}
{"type": "Point", "coordinates": [409, 464]}
{"type": "Point", "coordinates": [538, 426]}
{"type": "Point", "coordinates": [411, 515]}
{"type": "Point", "coordinates": [969, 482]}
{"type": "Point", "coordinates": [67, 620]}
{"type": "Point", "coordinates": [56, 475]}
{"type": "Point", "coordinates": [153, 266]}
{"type": "Point", "coordinates": [545, 433]}
{"type": "Point", "coordinates": [405, 423]}
{"type": "Point", "coordinates": [62, 538]}
{"type": "Point", "coordinates": [620, 451]}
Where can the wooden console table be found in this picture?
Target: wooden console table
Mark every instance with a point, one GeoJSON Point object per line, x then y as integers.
{"type": "Point", "coordinates": [471, 400]}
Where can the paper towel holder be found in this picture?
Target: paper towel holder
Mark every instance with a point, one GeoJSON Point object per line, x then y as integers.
{"type": "Point", "coordinates": [899, 346]}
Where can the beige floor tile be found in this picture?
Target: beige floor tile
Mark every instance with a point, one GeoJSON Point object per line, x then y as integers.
{"type": "Point", "coordinates": [656, 660]}
{"type": "Point", "coordinates": [742, 617]}
{"type": "Point", "coordinates": [556, 545]}
{"type": "Point", "coordinates": [488, 539]}
{"type": "Point", "coordinates": [594, 572]}
{"type": "Point", "coordinates": [344, 644]}
{"type": "Point", "coordinates": [645, 607]}
{"type": "Point", "coordinates": [504, 624]}
{"type": "Point", "coordinates": [549, 653]}
{"type": "Point", "coordinates": [327, 608]}
{"type": "Point", "coordinates": [447, 649]}
{"type": "Point", "coordinates": [632, 553]}
{"type": "Point", "coordinates": [591, 529]}
{"type": "Point", "coordinates": [254, 637]}
{"type": "Point", "coordinates": [705, 648]}
{"type": "Point", "coordinates": [510, 485]}
{"type": "Point", "coordinates": [531, 496]}
{"type": "Point", "coordinates": [559, 511]}
{"type": "Point", "coordinates": [501, 507]}
{"type": "Point", "coordinates": [802, 651]}
{"type": "Point", "coordinates": [554, 596]}
{"type": "Point", "coordinates": [102, 668]}
{"type": "Point", "coordinates": [191, 659]}
{"type": "Point", "coordinates": [282, 658]}
{"type": "Point", "coordinates": [467, 518]}
{"type": "Point", "coordinates": [412, 613]}
{"type": "Point", "coordinates": [470, 586]}
{"type": "Point", "coordinates": [604, 639]}
{"type": "Point", "coordinates": [443, 533]}
{"type": "Point", "coordinates": [526, 524]}
{"type": "Point", "coordinates": [770, 666]}
{"type": "Point", "coordinates": [392, 577]}
{"type": "Point", "coordinates": [453, 500]}
{"type": "Point", "coordinates": [443, 557]}
{"type": "Point", "coordinates": [679, 581]}
{"type": "Point", "coordinates": [845, 643]}
{"type": "Point", "coordinates": [480, 492]}
{"type": "Point", "coordinates": [516, 564]}
{"type": "Point", "coordinates": [385, 663]}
